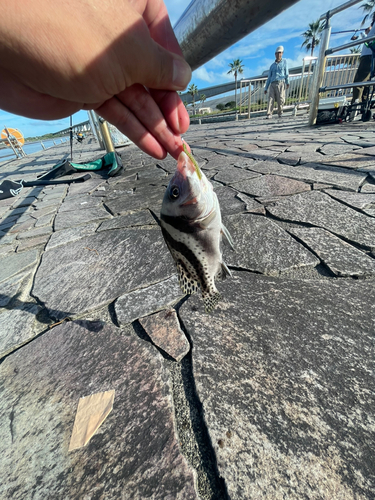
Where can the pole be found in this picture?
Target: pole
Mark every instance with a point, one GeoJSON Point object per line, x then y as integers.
{"type": "Point", "coordinates": [319, 73]}
{"type": "Point", "coordinates": [71, 137]}
{"type": "Point", "coordinates": [106, 136]}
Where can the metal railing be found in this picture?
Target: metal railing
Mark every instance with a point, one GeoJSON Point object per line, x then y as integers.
{"type": "Point", "coordinates": [339, 71]}
{"type": "Point", "coordinates": [324, 58]}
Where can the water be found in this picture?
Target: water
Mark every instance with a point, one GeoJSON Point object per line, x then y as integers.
{"type": "Point", "coordinates": [32, 147]}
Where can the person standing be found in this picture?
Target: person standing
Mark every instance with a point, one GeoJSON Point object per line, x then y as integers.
{"type": "Point", "coordinates": [277, 82]}
{"type": "Point", "coordinates": [364, 68]}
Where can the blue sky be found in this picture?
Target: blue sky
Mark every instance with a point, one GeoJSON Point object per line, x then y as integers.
{"type": "Point", "coordinates": [256, 51]}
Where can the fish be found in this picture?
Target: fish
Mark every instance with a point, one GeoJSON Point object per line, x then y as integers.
{"type": "Point", "coordinates": [191, 224]}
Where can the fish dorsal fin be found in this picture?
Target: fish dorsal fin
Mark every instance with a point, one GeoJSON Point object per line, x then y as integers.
{"type": "Point", "coordinates": [187, 283]}
{"type": "Point", "coordinates": [211, 299]}
{"type": "Point", "coordinates": [227, 236]}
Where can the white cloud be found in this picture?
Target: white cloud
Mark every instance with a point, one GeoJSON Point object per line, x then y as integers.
{"type": "Point", "coordinates": [204, 75]}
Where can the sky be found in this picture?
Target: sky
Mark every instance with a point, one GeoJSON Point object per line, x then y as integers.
{"type": "Point", "coordinates": [255, 50]}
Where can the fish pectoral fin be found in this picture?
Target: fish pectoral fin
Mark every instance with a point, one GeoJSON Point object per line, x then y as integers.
{"type": "Point", "coordinates": [187, 283]}
{"type": "Point", "coordinates": [204, 223]}
{"type": "Point", "coordinates": [224, 271]}
{"type": "Point", "coordinates": [211, 299]}
{"type": "Point", "coordinates": [227, 236]}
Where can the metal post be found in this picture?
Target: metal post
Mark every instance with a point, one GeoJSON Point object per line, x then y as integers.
{"type": "Point", "coordinates": [106, 136]}
{"type": "Point", "coordinates": [248, 101]}
{"type": "Point", "coordinates": [319, 73]}
{"type": "Point", "coordinates": [43, 146]}
{"type": "Point", "coordinates": [71, 137]}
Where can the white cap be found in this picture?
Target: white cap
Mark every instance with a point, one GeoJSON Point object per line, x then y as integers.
{"type": "Point", "coordinates": [280, 48]}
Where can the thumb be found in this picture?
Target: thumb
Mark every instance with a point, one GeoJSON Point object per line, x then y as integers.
{"type": "Point", "coordinates": [154, 66]}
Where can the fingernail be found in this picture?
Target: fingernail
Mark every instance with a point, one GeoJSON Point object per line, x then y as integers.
{"type": "Point", "coordinates": [181, 73]}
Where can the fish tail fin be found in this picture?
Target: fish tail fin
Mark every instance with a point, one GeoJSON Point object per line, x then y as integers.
{"type": "Point", "coordinates": [227, 236]}
{"type": "Point", "coordinates": [211, 300]}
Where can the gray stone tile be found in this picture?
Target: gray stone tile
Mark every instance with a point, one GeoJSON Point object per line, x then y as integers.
{"type": "Point", "coordinates": [153, 298]}
{"type": "Point", "coordinates": [136, 201]}
{"type": "Point", "coordinates": [35, 233]}
{"type": "Point", "coordinates": [289, 158]}
{"type": "Point", "coordinates": [368, 188]}
{"type": "Point", "coordinates": [141, 218]}
{"type": "Point", "coordinates": [272, 185]}
{"type": "Point", "coordinates": [25, 244]}
{"type": "Point", "coordinates": [252, 206]}
{"type": "Point", "coordinates": [283, 373]}
{"type": "Point", "coordinates": [66, 220]}
{"type": "Point", "coordinates": [357, 200]}
{"type": "Point", "coordinates": [341, 258]}
{"type": "Point", "coordinates": [69, 235]}
{"type": "Point", "coordinates": [232, 175]}
{"type": "Point", "coordinates": [16, 263]}
{"type": "Point", "coordinates": [262, 246]}
{"type": "Point", "coordinates": [165, 332]}
{"type": "Point", "coordinates": [95, 270]}
{"type": "Point", "coordinates": [229, 202]}
{"type": "Point", "coordinates": [79, 203]}
{"type": "Point", "coordinates": [16, 327]}
{"type": "Point", "coordinates": [136, 449]}
{"type": "Point", "coordinates": [321, 210]}
{"type": "Point", "coordinates": [351, 160]}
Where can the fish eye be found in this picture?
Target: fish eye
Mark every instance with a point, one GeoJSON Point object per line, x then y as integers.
{"type": "Point", "coordinates": [175, 192]}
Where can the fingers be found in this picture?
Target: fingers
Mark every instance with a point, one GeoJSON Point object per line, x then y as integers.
{"type": "Point", "coordinates": [135, 113]}
{"type": "Point", "coordinates": [173, 110]}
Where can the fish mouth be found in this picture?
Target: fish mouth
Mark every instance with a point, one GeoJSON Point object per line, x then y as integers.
{"type": "Point", "coordinates": [186, 167]}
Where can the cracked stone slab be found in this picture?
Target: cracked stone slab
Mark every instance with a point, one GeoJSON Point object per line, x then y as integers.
{"type": "Point", "coordinates": [136, 201]}
{"type": "Point", "coordinates": [262, 246]}
{"type": "Point", "coordinates": [351, 160]}
{"type": "Point", "coordinates": [368, 188]}
{"type": "Point", "coordinates": [66, 220]}
{"type": "Point", "coordinates": [79, 202]}
{"type": "Point", "coordinates": [17, 327]}
{"type": "Point", "coordinates": [335, 148]}
{"type": "Point", "coordinates": [340, 257]}
{"type": "Point", "coordinates": [165, 332]}
{"type": "Point", "coordinates": [321, 210]}
{"type": "Point", "coordinates": [252, 206]}
{"type": "Point", "coordinates": [26, 244]}
{"type": "Point", "coordinates": [134, 305]}
{"type": "Point", "coordinates": [312, 172]}
{"type": "Point", "coordinates": [141, 218]}
{"type": "Point", "coordinates": [272, 185]}
{"type": "Point", "coordinates": [69, 235]}
{"type": "Point", "coordinates": [228, 200]}
{"type": "Point", "coordinates": [35, 233]}
{"type": "Point", "coordinates": [16, 263]}
{"type": "Point", "coordinates": [285, 377]}
{"type": "Point", "coordinates": [357, 200]}
{"type": "Point", "coordinates": [93, 271]}
{"type": "Point", "coordinates": [289, 158]}
{"type": "Point", "coordinates": [233, 175]}
{"type": "Point", "coordinates": [134, 454]}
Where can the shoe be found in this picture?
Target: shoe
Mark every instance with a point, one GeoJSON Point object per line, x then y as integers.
{"type": "Point", "coordinates": [268, 117]}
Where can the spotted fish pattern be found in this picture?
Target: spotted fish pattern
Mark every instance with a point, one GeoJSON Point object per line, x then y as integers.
{"type": "Point", "coordinates": [192, 228]}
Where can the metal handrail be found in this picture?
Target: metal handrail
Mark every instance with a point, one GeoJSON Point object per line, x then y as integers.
{"type": "Point", "coordinates": [350, 44]}
{"type": "Point", "coordinates": [338, 9]}
{"type": "Point", "coordinates": [208, 27]}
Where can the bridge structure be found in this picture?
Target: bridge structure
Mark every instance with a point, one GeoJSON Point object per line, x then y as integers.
{"type": "Point", "coordinates": [79, 127]}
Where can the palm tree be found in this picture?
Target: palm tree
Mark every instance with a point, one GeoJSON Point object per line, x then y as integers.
{"type": "Point", "coordinates": [193, 91]}
{"type": "Point", "coordinates": [355, 50]}
{"type": "Point", "coordinates": [312, 35]}
{"type": "Point", "coordinates": [202, 98]}
{"type": "Point", "coordinates": [369, 8]}
{"type": "Point", "coordinates": [236, 67]}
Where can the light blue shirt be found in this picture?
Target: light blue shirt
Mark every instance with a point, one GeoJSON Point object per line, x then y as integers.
{"type": "Point", "coordinates": [278, 71]}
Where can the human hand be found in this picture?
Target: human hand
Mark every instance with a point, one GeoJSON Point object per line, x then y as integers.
{"type": "Point", "coordinates": [265, 91]}
{"type": "Point", "coordinates": [59, 57]}
{"type": "Point", "coordinates": [287, 86]}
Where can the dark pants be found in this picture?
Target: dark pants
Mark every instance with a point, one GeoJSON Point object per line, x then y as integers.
{"type": "Point", "coordinates": [362, 75]}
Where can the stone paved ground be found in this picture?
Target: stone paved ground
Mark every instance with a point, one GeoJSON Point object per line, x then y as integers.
{"type": "Point", "coordinates": [269, 397]}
